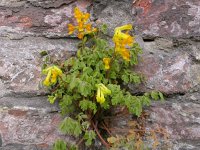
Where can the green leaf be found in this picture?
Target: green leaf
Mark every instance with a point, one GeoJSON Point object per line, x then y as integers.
{"type": "Point", "coordinates": [145, 100]}
{"type": "Point", "coordinates": [134, 104]}
{"type": "Point", "coordinates": [73, 147]}
{"type": "Point", "coordinates": [113, 75]}
{"type": "Point", "coordinates": [43, 53]}
{"type": "Point", "coordinates": [138, 108]}
{"type": "Point", "coordinates": [67, 99]}
{"type": "Point", "coordinates": [86, 104]}
{"type": "Point", "coordinates": [59, 145]}
{"type": "Point", "coordinates": [87, 70]}
{"type": "Point", "coordinates": [116, 94]}
{"type": "Point", "coordinates": [161, 96]}
{"type": "Point", "coordinates": [66, 103]}
{"type": "Point", "coordinates": [104, 28]}
{"type": "Point", "coordinates": [74, 83]}
{"type": "Point", "coordinates": [105, 105]}
{"type": "Point", "coordinates": [101, 44]}
{"type": "Point", "coordinates": [154, 95]}
{"type": "Point", "coordinates": [89, 136]}
{"type": "Point", "coordinates": [70, 62]}
{"type": "Point", "coordinates": [135, 51]}
{"type": "Point", "coordinates": [66, 109]}
{"type": "Point", "coordinates": [117, 99]}
{"type": "Point", "coordinates": [84, 39]}
{"type": "Point", "coordinates": [116, 66]}
{"type": "Point", "coordinates": [85, 125]}
{"type": "Point", "coordinates": [84, 88]}
{"type": "Point", "coordinates": [70, 126]}
{"type": "Point", "coordinates": [125, 78]}
{"type": "Point", "coordinates": [81, 116]}
{"type": "Point", "coordinates": [51, 99]}
{"type": "Point", "coordinates": [135, 79]}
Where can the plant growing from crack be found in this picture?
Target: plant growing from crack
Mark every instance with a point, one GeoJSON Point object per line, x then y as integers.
{"type": "Point", "coordinates": [88, 85]}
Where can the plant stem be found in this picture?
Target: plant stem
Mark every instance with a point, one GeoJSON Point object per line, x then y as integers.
{"type": "Point", "coordinates": [99, 135]}
{"type": "Point", "coordinates": [105, 127]}
{"type": "Point", "coordinates": [80, 141]}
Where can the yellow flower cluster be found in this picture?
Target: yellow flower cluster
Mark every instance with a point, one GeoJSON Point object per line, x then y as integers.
{"type": "Point", "coordinates": [83, 27]}
{"type": "Point", "coordinates": [52, 73]}
{"type": "Point", "coordinates": [122, 41]}
{"type": "Point", "coordinates": [101, 90]}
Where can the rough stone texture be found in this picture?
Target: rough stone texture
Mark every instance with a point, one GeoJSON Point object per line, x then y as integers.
{"type": "Point", "coordinates": [113, 13]}
{"type": "Point", "coordinates": [34, 19]}
{"type": "Point", "coordinates": [31, 103]}
{"type": "Point", "coordinates": [167, 30]}
{"type": "Point", "coordinates": [181, 117]}
{"type": "Point", "coordinates": [28, 123]}
{"type": "Point", "coordinates": [49, 3]}
{"type": "Point", "coordinates": [167, 68]}
{"type": "Point", "coordinates": [20, 61]}
{"type": "Point", "coordinates": [167, 18]}
{"type": "Point", "coordinates": [167, 62]}
{"type": "Point", "coordinates": [12, 3]}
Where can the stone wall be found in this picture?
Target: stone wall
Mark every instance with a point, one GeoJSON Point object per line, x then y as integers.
{"type": "Point", "coordinates": [167, 30]}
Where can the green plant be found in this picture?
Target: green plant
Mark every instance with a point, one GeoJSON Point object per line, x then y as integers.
{"type": "Point", "coordinates": [88, 85]}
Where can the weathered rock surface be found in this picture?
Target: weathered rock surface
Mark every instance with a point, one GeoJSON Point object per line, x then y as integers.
{"type": "Point", "coordinates": [168, 31]}
{"type": "Point", "coordinates": [180, 116]}
{"type": "Point", "coordinates": [20, 61]}
{"type": "Point", "coordinates": [167, 18]}
{"type": "Point", "coordinates": [167, 67]}
{"type": "Point", "coordinates": [49, 3]}
{"type": "Point", "coordinates": [19, 19]}
{"type": "Point", "coordinates": [113, 13]}
{"type": "Point", "coordinates": [28, 123]}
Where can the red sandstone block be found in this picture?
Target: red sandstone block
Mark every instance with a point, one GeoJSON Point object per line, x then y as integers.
{"type": "Point", "coordinates": [161, 18]}
{"type": "Point", "coordinates": [29, 127]}
{"type": "Point", "coordinates": [17, 112]}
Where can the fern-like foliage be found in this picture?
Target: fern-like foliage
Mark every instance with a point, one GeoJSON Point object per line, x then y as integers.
{"type": "Point", "coordinates": [88, 84]}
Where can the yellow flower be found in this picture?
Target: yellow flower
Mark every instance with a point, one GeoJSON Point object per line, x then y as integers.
{"type": "Point", "coordinates": [78, 14]}
{"type": "Point", "coordinates": [100, 96]}
{"type": "Point", "coordinates": [101, 90]}
{"type": "Point", "coordinates": [55, 73]}
{"type": "Point", "coordinates": [107, 63]}
{"type": "Point", "coordinates": [122, 40]}
{"type": "Point", "coordinates": [125, 54]}
{"type": "Point", "coordinates": [71, 28]}
{"type": "Point", "coordinates": [94, 30]}
{"type": "Point", "coordinates": [104, 89]}
{"type": "Point", "coordinates": [53, 78]}
{"type": "Point", "coordinates": [46, 82]}
{"type": "Point", "coordinates": [52, 73]}
{"type": "Point", "coordinates": [91, 31]}
{"type": "Point", "coordinates": [80, 35]}
{"type": "Point", "coordinates": [82, 27]}
{"type": "Point", "coordinates": [124, 27]}
{"type": "Point", "coordinates": [88, 27]}
{"type": "Point", "coordinates": [129, 40]}
{"type": "Point", "coordinates": [86, 16]}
